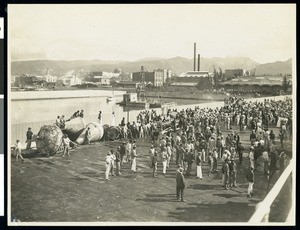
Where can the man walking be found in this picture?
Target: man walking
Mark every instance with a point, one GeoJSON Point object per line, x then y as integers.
{"type": "Point", "coordinates": [164, 156]}
{"type": "Point", "coordinates": [250, 179]}
{"type": "Point", "coordinates": [118, 161]}
{"type": "Point", "coordinates": [225, 172]}
{"type": "Point", "coordinates": [180, 184]}
{"type": "Point", "coordinates": [123, 151]}
{"type": "Point", "coordinates": [153, 162]}
{"type": "Point", "coordinates": [190, 159]}
{"type": "Point", "coordinates": [169, 152]}
{"type": "Point", "coordinates": [66, 144]}
{"type": "Point", "coordinates": [233, 172]}
{"type": "Point", "coordinates": [198, 164]}
{"type": "Point", "coordinates": [210, 163]}
{"type": "Point", "coordinates": [112, 162]}
{"type": "Point", "coordinates": [18, 150]}
{"type": "Point", "coordinates": [133, 158]}
{"type": "Point", "coordinates": [128, 150]}
{"type": "Point", "coordinates": [240, 149]}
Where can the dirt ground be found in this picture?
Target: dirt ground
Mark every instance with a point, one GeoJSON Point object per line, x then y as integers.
{"type": "Point", "coordinates": [73, 188]}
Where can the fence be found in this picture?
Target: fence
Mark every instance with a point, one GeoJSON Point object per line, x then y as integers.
{"type": "Point", "coordinates": [262, 212]}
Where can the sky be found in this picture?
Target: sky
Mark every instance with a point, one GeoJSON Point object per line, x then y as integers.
{"type": "Point", "coordinates": [262, 32]}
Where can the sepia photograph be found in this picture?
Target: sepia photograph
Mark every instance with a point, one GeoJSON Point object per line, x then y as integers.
{"type": "Point", "coordinates": [151, 114]}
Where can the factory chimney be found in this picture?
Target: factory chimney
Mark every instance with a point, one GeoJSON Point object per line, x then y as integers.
{"type": "Point", "coordinates": [194, 56]}
{"type": "Point", "coordinates": [198, 62]}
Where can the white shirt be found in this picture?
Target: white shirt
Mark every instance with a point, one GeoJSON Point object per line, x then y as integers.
{"type": "Point", "coordinates": [107, 159]}
{"type": "Point", "coordinates": [251, 155]}
{"type": "Point", "coordinates": [265, 156]}
{"type": "Point", "coordinates": [19, 145]}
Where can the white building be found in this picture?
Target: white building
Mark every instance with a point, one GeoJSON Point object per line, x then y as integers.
{"type": "Point", "coordinates": [50, 78]}
{"type": "Point", "coordinates": [70, 80]}
{"type": "Point", "coordinates": [109, 74]}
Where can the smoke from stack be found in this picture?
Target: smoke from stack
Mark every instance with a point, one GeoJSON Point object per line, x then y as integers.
{"type": "Point", "coordinates": [194, 56]}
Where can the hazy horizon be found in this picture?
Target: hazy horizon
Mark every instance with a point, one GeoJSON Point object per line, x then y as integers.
{"type": "Point", "coordinates": [141, 59]}
{"type": "Point", "coordinates": [262, 32]}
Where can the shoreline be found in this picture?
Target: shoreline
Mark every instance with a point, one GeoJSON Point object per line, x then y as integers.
{"type": "Point", "coordinates": [62, 94]}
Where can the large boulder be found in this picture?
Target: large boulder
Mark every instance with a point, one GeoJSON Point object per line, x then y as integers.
{"type": "Point", "coordinates": [49, 139]}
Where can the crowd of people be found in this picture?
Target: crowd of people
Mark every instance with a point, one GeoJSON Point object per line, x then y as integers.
{"type": "Point", "coordinates": [194, 137]}
{"type": "Point", "coordinates": [61, 121]}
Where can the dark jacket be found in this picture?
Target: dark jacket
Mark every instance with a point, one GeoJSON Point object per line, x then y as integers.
{"type": "Point", "coordinates": [123, 150]}
{"type": "Point", "coordinates": [180, 181]}
{"type": "Point", "coordinates": [29, 135]}
{"type": "Point", "coordinates": [250, 176]}
{"type": "Point", "coordinates": [118, 156]}
{"type": "Point", "coordinates": [232, 167]}
{"type": "Point", "coordinates": [252, 136]}
{"type": "Point", "coordinates": [198, 160]}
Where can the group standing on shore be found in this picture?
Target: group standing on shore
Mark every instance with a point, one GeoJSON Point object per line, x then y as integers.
{"type": "Point", "coordinates": [195, 136]}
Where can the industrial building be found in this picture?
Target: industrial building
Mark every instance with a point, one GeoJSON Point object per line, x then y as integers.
{"type": "Point", "coordinates": [157, 77]}
{"type": "Point", "coordinates": [262, 84]}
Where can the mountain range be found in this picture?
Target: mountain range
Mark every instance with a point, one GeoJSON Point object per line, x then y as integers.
{"type": "Point", "coordinates": [275, 68]}
{"type": "Point", "coordinates": [176, 64]}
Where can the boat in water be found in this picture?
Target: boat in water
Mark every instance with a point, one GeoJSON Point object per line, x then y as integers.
{"type": "Point", "coordinates": [130, 100]}
{"type": "Point", "coordinates": [111, 98]}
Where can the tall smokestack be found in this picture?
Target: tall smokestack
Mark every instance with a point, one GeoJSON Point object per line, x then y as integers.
{"type": "Point", "coordinates": [198, 62]}
{"type": "Point", "coordinates": [194, 56]}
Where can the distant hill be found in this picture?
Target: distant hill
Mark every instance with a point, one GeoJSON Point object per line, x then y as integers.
{"type": "Point", "coordinates": [275, 68]}
{"type": "Point", "coordinates": [177, 64]}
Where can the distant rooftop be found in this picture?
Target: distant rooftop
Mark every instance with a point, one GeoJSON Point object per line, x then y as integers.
{"type": "Point", "coordinates": [197, 72]}
{"type": "Point", "coordinates": [184, 83]}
